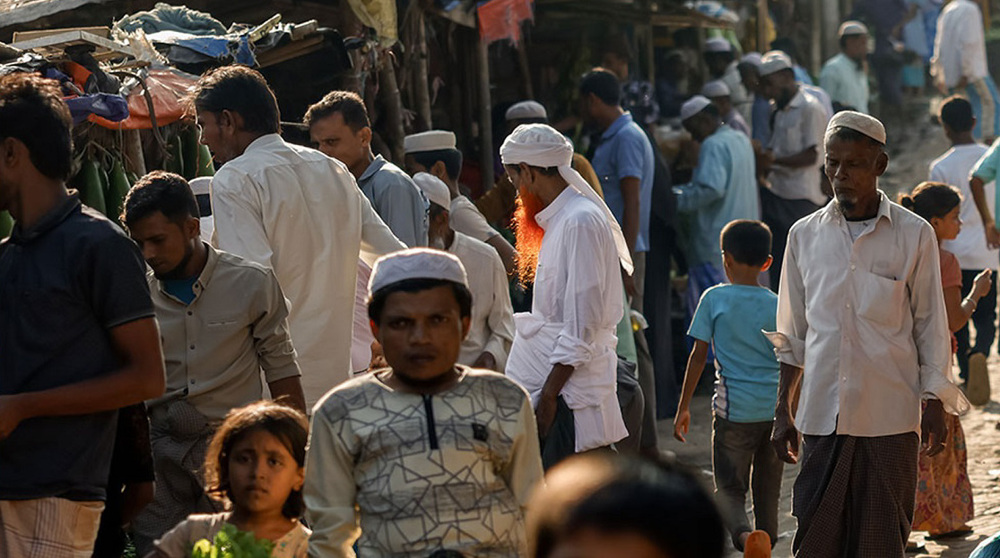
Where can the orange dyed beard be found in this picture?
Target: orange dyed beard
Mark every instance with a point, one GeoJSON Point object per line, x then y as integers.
{"type": "Point", "coordinates": [528, 235]}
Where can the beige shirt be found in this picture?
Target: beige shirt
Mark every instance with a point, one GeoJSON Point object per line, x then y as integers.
{"type": "Point", "coordinates": [301, 213]}
{"type": "Point", "coordinates": [866, 320]}
{"type": "Point", "coordinates": [466, 219]}
{"type": "Point", "coordinates": [797, 127]}
{"type": "Point", "coordinates": [492, 324]}
{"type": "Point", "coordinates": [178, 542]}
{"type": "Point", "coordinates": [215, 348]}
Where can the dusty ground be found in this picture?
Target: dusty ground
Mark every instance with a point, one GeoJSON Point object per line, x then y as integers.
{"type": "Point", "coordinates": [922, 143]}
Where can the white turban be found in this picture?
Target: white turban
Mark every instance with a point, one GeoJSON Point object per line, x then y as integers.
{"type": "Point", "coordinates": [540, 145]}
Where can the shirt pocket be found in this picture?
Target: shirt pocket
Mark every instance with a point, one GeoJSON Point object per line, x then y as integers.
{"type": "Point", "coordinates": [880, 300]}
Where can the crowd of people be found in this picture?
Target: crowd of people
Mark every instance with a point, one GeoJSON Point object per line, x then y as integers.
{"type": "Point", "coordinates": [326, 355]}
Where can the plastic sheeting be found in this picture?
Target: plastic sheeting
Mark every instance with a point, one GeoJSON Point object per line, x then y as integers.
{"type": "Point", "coordinates": [168, 88]}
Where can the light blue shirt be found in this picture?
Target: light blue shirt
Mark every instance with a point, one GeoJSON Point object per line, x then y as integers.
{"type": "Point", "coordinates": [723, 188]}
{"type": "Point", "coordinates": [625, 152]}
{"type": "Point", "coordinates": [732, 318]}
{"type": "Point", "coordinates": [986, 170]}
{"type": "Point", "coordinates": [846, 83]}
{"type": "Point", "coordinates": [397, 200]}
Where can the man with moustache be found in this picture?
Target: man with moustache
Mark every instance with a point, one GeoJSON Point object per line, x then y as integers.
{"type": "Point", "coordinates": [571, 245]}
{"type": "Point", "coordinates": [862, 331]}
{"type": "Point", "coordinates": [491, 326]}
{"type": "Point", "coordinates": [222, 320]}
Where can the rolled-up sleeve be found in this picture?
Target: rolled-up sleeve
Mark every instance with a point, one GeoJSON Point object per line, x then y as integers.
{"type": "Point", "coordinates": [930, 327]}
{"type": "Point", "coordinates": [790, 338]}
{"type": "Point", "coordinates": [271, 337]}
{"type": "Point", "coordinates": [330, 490]}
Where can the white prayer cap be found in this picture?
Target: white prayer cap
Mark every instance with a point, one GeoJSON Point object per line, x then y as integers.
{"type": "Point", "coordinates": [434, 140]}
{"type": "Point", "coordinates": [416, 263]}
{"type": "Point", "coordinates": [852, 28]}
{"type": "Point", "coordinates": [858, 122]}
{"type": "Point", "coordinates": [774, 61]}
{"type": "Point", "coordinates": [718, 44]}
{"type": "Point", "coordinates": [753, 58]}
{"type": "Point", "coordinates": [526, 110]}
{"type": "Point", "coordinates": [432, 187]}
{"type": "Point", "coordinates": [200, 185]}
{"type": "Point", "coordinates": [693, 106]}
{"type": "Point", "coordinates": [716, 88]}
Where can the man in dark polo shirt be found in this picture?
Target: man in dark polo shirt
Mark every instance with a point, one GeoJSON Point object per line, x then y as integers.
{"type": "Point", "coordinates": [77, 335]}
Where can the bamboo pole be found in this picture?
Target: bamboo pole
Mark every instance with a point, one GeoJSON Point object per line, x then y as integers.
{"type": "Point", "coordinates": [762, 15]}
{"type": "Point", "coordinates": [421, 91]}
{"type": "Point", "coordinates": [389, 89]}
{"type": "Point", "coordinates": [485, 114]}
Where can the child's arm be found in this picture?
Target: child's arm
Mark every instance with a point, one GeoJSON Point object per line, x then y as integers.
{"type": "Point", "coordinates": [959, 311]}
{"type": "Point", "coordinates": [695, 366]}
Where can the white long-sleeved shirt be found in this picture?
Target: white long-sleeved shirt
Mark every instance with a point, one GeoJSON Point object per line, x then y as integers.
{"type": "Point", "coordinates": [866, 321]}
{"type": "Point", "coordinates": [491, 328]}
{"type": "Point", "coordinates": [960, 45]}
{"type": "Point", "coordinates": [300, 212]}
{"type": "Point", "coordinates": [575, 310]}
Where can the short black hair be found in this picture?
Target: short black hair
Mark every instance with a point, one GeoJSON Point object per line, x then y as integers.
{"type": "Point", "coordinates": [33, 112]}
{"type": "Point", "coordinates": [242, 90]}
{"type": "Point", "coordinates": [956, 113]}
{"type": "Point", "coordinates": [603, 84]}
{"type": "Point", "coordinates": [747, 241]}
{"type": "Point", "coordinates": [377, 303]}
{"type": "Point", "coordinates": [161, 191]}
{"type": "Point", "coordinates": [452, 159]}
{"type": "Point", "coordinates": [844, 133]}
{"type": "Point", "coordinates": [348, 103]}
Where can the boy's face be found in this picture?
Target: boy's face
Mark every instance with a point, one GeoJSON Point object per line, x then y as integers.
{"type": "Point", "coordinates": [421, 333]}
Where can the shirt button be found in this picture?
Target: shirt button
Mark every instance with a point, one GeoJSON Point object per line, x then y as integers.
{"type": "Point", "coordinates": [190, 313]}
{"type": "Point", "coordinates": [192, 382]}
{"type": "Point", "coordinates": [192, 347]}
{"type": "Point", "coordinates": [853, 268]}
{"type": "Point", "coordinates": [848, 307]}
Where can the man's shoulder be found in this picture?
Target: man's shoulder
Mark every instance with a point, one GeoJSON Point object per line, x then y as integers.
{"type": "Point", "coordinates": [476, 249]}
{"type": "Point", "coordinates": [89, 228]}
{"type": "Point", "coordinates": [338, 403]}
{"type": "Point", "coordinates": [906, 219]}
{"type": "Point", "coordinates": [500, 387]}
{"type": "Point", "coordinates": [237, 267]}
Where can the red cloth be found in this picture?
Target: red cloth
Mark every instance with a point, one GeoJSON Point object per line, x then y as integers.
{"type": "Point", "coordinates": [501, 19]}
{"type": "Point", "coordinates": [168, 88]}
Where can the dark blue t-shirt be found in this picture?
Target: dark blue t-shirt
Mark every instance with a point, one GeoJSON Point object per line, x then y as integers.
{"type": "Point", "coordinates": [181, 289]}
{"type": "Point", "coordinates": [65, 283]}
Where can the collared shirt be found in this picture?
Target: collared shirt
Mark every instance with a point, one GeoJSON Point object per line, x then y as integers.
{"type": "Point", "coordinates": [735, 121]}
{"type": "Point", "coordinates": [575, 311]}
{"type": "Point", "coordinates": [466, 219]}
{"type": "Point", "coordinates": [492, 326]}
{"type": "Point", "coordinates": [397, 200]}
{"type": "Point", "coordinates": [737, 93]}
{"type": "Point", "coordinates": [625, 152]}
{"type": "Point", "coordinates": [300, 213]}
{"type": "Point", "coordinates": [960, 45]}
{"type": "Point", "coordinates": [846, 81]}
{"type": "Point", "coordinates": [65, 284]}
{"type": "Point", "coordinates": [866, 320]}
{"type": "Point", "coordinates": [215, 347]}
{"type": "Point", "coordinates": [408, 475]}
{"type": "Point", "coordinates": [797, 127]}
{"type": "Point", "coordinates": [722, 189]}
{"type": "Point", "coordinates": [955, 167]}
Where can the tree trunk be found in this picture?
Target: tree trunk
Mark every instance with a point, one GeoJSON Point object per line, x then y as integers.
{"type": "Point", "coordinates": [389, 90]}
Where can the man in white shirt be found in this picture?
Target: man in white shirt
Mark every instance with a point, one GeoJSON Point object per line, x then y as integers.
{"type": "Point", "coordinates": [861, 310]}
{"type": "Point", "coordinates": [292, 209]}
{"type": "Point", "coordinates": [970, 247]}
{"type": "Point", "coordinates": [491, 329]}
{"type": "Point", "coordinates": [845, 76]}
{"type": "Point", "coordinates": [434, 152]}
{"type": "Point", "coordinates": [959, 64]}
{"type": "Point", "coordinates": [794, 154]}
{"type": "Point", "coordinates": [564, 349]}
{"type": "Point", "coordinates": [722, 65]}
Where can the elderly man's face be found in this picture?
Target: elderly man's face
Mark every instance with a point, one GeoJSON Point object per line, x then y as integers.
{"type": "Point", "coordinates": [853, 168]}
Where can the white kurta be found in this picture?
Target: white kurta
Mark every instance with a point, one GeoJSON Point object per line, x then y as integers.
{"type": "Point", "coordinates": [492, 324]}
{"type": "Point", "coordinates": [301, 213]}
{"type": "Point", "coordinates": [576, 307]}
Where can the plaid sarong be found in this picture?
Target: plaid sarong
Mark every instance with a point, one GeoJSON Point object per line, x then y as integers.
{"type": "Point", "coordinates": [48, 528]}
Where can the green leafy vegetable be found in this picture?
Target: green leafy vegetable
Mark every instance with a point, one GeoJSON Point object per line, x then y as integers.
{"type": "Point", "coordinates": [230, 542]}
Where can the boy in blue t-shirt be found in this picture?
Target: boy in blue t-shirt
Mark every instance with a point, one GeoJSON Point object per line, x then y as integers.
{"type": "Point", "coordinates": [732, 318]}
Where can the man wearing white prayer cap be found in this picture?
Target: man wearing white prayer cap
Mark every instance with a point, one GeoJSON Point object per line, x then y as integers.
{"type": "Point", "coordinates": [760, 105]}
{"type": "Point", "coordinates": [435, 153]}
{"type": "Point", "coordinates": [861, 302]}
{"type": "Point", "coordinates": [723, 64]}
{"type": "Point", "coordinates": [845, 76]}
{"type": "Point", "coordinates": [429, 417]}
{"type": "Point", "coordinates": [789, 167]}
{"type": "Point", "coordinates": [722, 189]}
{"type": "Point", "coordinates": [573, 249]}
{"type": "Point", "coordinates": [718, 92]}
{"type": "Point", "coordinates": [491, 329]}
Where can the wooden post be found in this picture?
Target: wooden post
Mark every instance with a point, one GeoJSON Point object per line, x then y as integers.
{"type": "Point", "coordinates": [421, 91]}
{"type": "Point", "coordinates": [393, 105]}
{"type": "Point", "coordinates": [485, 114]}
{"type": "Point", "coordinates": [522, 61]}
{"type": "Point", "coordinates": [816, 52]}
{"type": "Point", "coordinates": [762, 15]}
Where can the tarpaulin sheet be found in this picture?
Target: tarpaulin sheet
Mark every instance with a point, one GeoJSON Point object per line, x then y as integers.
{"type": "Point", "coordinates": [501, 19]}
{"type": "Point", "coordinates": [168, 88]}
{"type": "Point", "coordinates": [225, 48]}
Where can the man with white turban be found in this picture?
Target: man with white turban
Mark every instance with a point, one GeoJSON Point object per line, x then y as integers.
{"type": "Point", "coordinates": [570, 243]}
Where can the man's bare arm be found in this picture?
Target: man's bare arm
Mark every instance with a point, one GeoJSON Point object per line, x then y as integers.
{"type": "Point", "coordinates": [785, 438]}
{"type": "Point", "coordinates": [289, 390]}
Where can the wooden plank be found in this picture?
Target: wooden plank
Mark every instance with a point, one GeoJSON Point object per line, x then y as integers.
{"type": "Point", "coordinates": [61, 40]}
{"type": "Point", "coordinates": [32, 35]}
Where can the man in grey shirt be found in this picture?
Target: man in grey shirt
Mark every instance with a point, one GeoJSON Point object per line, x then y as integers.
{"type": "Point", "coordinates": [340, 128]}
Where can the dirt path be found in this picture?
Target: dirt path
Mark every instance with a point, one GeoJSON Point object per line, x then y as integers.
{"type": "Point", "coordinates": [908, 166]}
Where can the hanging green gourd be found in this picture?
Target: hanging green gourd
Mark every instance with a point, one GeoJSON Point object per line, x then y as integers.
{"type": "Point", "coordinates": [88, 183]}
{"type": "Point", "coordinates": [6, 224]}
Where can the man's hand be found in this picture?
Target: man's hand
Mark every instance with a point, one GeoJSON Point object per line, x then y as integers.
{"type": "Point", "coordinates": [545, 414]}
{"type": "Point", "coordinates": [992, 236]}
{"type": "Point", "coordinates": [11, 414]}
{"type": "Point", "coordinates": [682, 421]}
{"type": "Point", "coordinates": [933, 428]}
{"type": "Point", "coordinates": [487, 361]}
{"type": "Point", "coordinates": [629, 282]}
{"type": "Point", "coordinates": [785, 438]}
